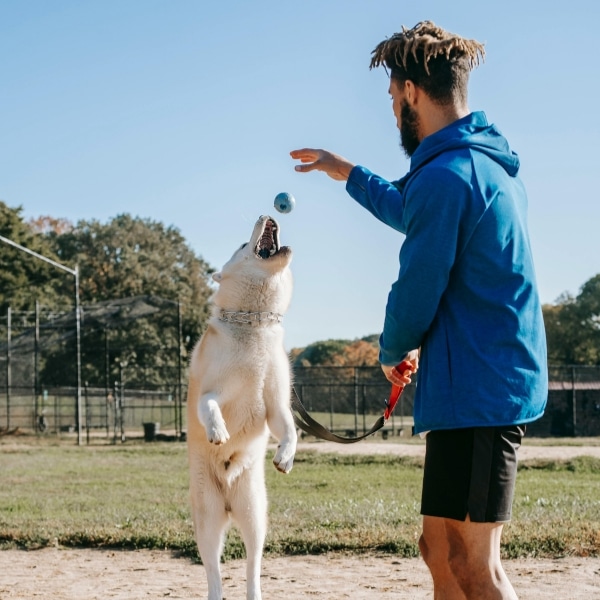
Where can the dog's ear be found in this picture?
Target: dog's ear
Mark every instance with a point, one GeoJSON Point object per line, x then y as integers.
{"type": "Point", "coordinates": [217, 277]}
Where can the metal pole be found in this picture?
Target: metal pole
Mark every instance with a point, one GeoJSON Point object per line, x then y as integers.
{"type": "Point", "coordinates": [574, 402]}
{"type": "Point", "coordinates": [36, 368]}
{"type": "Point", "coordinates": [117, 401]}
{"type": "Point", "coordinates": [331, 407]}
{"type": "Point", "coordinates": [78, 344]}
{"type": "Point", "coordinates": [179, 427]}
{"type": "Point", "coordinates": [87, 413]}
{"type": "Point", "coordinates": [106, 380]}
{"type": "Point", "coordinates": [355, 400]}
{"type": "Point", "coordinates": [364, 408]}
{"type": "Point", "coordinates": [8, 365]}
{"type": "Point", "coordinates": [122, 366]}
{"type": "Point", "coordinates": [56, 415]}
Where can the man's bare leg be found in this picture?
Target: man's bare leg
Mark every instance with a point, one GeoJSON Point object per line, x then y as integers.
{"type": "Point", "coordinates": [474, 559]}
{"type": "Point", "coordinates": [435, 551]}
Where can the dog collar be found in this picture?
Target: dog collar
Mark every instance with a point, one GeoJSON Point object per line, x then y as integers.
{"type": "Point", "coordinates": [249, 318]}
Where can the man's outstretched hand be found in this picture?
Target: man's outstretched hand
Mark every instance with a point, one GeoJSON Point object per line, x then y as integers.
{"type": "Point", "coordinates": [337, 167]}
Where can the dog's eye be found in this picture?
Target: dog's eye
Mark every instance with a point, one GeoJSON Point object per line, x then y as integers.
{"type": "Point", "coordinates": [243, 246]}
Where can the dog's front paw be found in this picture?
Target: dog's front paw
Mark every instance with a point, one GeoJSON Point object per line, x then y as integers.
{"type": "Point", "coordinates": [217, 433]}
{"type": "Point", "coordinates": [284, 458]}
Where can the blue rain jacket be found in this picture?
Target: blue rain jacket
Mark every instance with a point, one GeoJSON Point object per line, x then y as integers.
{"type": "Point", "coordinates": [466, 292]}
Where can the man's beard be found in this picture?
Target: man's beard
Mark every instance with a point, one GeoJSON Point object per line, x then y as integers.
{"type": "Point", "coordinates": [409, 129]}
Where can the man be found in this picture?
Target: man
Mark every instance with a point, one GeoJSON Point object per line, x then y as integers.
{"type": "Point", "coordinates": [465, 296]}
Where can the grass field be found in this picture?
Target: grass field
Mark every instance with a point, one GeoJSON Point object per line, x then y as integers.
{"type": "Point", "coordinates": [135, 496]}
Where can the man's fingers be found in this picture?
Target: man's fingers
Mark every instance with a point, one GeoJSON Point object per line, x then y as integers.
{"type": "Point", "coordinates": [306, 168]}
{"type": "Point", "coordinates": [403, 377]}
{"type": "Point", "coordinates": [399, 378]}
{"type": "Point", "coordinates": [308, 157]}
{"type": "Point", "coordinates": [305, 154]}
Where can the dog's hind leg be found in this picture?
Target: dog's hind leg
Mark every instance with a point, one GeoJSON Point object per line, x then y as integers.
{"type": "Point", "coordinates": [249, 509]}
{"type": "Point", "coordinates": [210, 519]}
{"type": "Point", "coordinates": [210, 533]}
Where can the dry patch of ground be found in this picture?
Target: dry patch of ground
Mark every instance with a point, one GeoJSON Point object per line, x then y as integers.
{"type": "Point", "coordinates": [61, 574]}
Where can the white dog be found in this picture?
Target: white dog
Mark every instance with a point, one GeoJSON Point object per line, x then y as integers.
{"type": "Point", "coordinates": [239, 389]}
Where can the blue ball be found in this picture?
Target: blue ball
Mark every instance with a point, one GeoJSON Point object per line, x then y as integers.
{"type": "Point", "coordinates": [284, 202]}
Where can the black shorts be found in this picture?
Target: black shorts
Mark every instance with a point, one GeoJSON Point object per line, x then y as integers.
{"type": "Point", "coordinates": [471, 472]}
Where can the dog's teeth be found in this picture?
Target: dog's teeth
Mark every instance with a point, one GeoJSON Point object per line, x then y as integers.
{"type": "Point", "coordinates": [272, 251]}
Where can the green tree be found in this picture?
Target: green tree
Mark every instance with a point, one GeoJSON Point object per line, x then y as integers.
{"type": "Point", "coordinates": [361, 353]}
{"type": "Point", "coordinates": [324, 353]}
{"type": "Point", "coordinates": [24, 278]}
{"type": "Point", "coordinates": [124, 258]}
{"type": "Point", "coordinates": [573, 326]}
{"type": "Point", "coordinates": [346, 353]}
{"type": "Point", "coordinates": [131, 256]}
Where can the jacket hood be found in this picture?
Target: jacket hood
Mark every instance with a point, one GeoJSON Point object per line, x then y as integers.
{"type": "Point", "coordinates": [472, 132]}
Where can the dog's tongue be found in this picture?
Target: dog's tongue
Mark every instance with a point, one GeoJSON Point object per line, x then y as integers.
{"type": "Point", "coordinates": [267, 242]}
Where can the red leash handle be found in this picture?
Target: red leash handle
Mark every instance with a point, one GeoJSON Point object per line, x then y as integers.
{"type": "Point", "coordinates": [396, 390]}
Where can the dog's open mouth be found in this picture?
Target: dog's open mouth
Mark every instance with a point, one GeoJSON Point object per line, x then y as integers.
{"type": "Point", "coordinates": [268, 243]}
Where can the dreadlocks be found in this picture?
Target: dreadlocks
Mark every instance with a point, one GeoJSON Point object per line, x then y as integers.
{"type": "Point", "coordinates": [432, 58]}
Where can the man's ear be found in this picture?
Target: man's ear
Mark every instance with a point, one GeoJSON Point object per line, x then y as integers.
{"type": "Point", "coordinates": [217, 277]}
{"type": "Point", "coordinates": [411, 92]}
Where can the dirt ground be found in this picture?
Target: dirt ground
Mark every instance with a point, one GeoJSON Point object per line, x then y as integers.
{"type": "Point", "coordinates": [66, 574]}
{"type": "Point", "coordinates": [58, 574]}
{"type": "Point", "coordinates": [526, 452]}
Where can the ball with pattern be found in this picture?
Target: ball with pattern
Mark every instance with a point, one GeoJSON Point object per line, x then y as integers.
{"type": "Point", "coordinates": [284, 202]}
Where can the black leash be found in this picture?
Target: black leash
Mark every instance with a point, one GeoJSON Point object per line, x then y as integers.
{"type": "Point", "coordinates": [305, 422]}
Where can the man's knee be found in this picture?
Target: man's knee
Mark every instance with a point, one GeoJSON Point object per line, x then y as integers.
{"type": "Point", "coordinates": [435, 555]}
{"type": "Point", "coordinates": [459, 560]}
{"type": "Point", "coordinates": [423, 548]}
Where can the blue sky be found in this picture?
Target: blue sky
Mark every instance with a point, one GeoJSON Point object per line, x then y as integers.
{"type": "Point", "coordinates": [184, 112]}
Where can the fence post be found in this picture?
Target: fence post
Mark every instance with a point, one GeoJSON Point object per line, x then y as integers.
{"type": "Point", "coordinates": [355, 400]}
{"type": "Point", "coordinates": [87, 413]}
{"type": "Point", "coordinates": [117, 411]}
{"type": "Point", "coordinates": [330, 409]}
{"type": "Point", "coordinates": [8, 365]}
{"type": "Point", "coordinates": [574, 402]}
{"type": "Point", "coordinates": [106, 380]}
{"type": "Point", "coordinates": [179, 424]}
{"type": "Point", "coordinates": [36, 368]}
{"type": "Point", "coordinates": [78, 350]}
{"type": "Point", "coordinates": [57, 424]}
{"type": "Point", "coordinates": [364, 407]}
{"type": "Point", "coordinates": [122, 400]}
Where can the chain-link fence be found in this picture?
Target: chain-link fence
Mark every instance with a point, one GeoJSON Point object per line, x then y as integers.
{"type": "Point", "coordinates": [134, 381]}
{"type": "Point", "coordinates": [347, 400]}
{"type": "Point", "coordinates": [115, 415]}
{"type": "Point", "coordinates": [130, 369]}
{"type": "Point", "coordinates": [573, 403]}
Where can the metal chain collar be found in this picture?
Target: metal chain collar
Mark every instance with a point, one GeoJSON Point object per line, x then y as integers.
{"type": "Point", "coordinates": [249, 318]}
